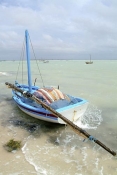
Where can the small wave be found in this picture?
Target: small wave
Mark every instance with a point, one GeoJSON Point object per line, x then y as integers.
{"type": "Point", "coordinates": [4, 73]}
{"type": "Point", "coordinates": [29, 158]}
{"type": "Point", "coordinates": [92, 118]}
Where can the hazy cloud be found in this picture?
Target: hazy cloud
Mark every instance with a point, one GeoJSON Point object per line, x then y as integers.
{"type": "Point", "coordinates": [65, 29]}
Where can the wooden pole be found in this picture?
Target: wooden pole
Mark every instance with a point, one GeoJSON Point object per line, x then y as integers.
{"type": "Point", "coordinates": [74, 127]}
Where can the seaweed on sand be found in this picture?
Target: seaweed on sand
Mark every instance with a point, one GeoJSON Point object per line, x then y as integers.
{"type": "Point", "coordinates": [12, 145]}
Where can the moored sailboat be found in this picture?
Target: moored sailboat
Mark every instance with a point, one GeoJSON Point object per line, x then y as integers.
{"type": "Point", "coordinates": [50, 104]}
{"type": "Point", "coordinates": [89, 62]}
{"type": "Point", "coordinates": [70, 107]}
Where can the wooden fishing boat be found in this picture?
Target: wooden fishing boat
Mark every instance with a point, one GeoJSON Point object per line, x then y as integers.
{"type": "Point", "coordinates": [89, 62]}
{"type": "Point", "coordinates": [71, 107]}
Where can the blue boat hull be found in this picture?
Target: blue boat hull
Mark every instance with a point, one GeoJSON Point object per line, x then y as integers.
{"type": "Point", "coordinates": [72, 112]}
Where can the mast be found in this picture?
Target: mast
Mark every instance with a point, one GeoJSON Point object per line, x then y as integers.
{"type": "Point", "coordinates": [90, 57]}
{"type": "Point", "coordinates": [28, 60]}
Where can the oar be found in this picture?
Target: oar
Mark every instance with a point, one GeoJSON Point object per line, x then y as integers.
{"type": "Point", "coordinates": [74, 127]}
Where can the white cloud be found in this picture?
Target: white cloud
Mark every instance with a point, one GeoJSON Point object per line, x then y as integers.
{"type": "Point", "coordinates": [47, 37]}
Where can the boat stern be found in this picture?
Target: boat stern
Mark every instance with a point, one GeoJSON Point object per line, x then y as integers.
{"type": "Point", "coordinates": [73, 112]}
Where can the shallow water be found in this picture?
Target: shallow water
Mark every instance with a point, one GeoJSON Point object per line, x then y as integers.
{"type": "Point", "coordinates": [51, 148]}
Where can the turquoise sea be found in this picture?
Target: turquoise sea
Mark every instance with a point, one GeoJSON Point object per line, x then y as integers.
{"type": "Point", "coordinates": [52, 149]}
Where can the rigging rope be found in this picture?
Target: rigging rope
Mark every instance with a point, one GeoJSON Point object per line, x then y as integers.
{"type": "Point", "coordinates": [37, 63]}
{"type": "Point", "coordinates": [21, 59]}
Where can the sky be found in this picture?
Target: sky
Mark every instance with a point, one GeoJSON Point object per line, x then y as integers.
{"type": "Point", "coordinates": [59, 29]}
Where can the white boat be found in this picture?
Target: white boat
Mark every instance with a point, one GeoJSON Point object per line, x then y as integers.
{"type": "Point", "coordinates": [45, 61]}
{"type": "Point", "coordinates": [72, 108]}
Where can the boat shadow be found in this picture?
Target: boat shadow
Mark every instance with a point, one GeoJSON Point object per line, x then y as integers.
{"type": "Point", "coordinates": [32, 125]}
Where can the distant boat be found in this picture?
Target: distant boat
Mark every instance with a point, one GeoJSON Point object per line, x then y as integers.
{"type": "Point", "coordinates": [46, 103]}
{"type": "Point", "coordinates": [45, 61]}
{"type": "Point", "coordinates": [89, 62]}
